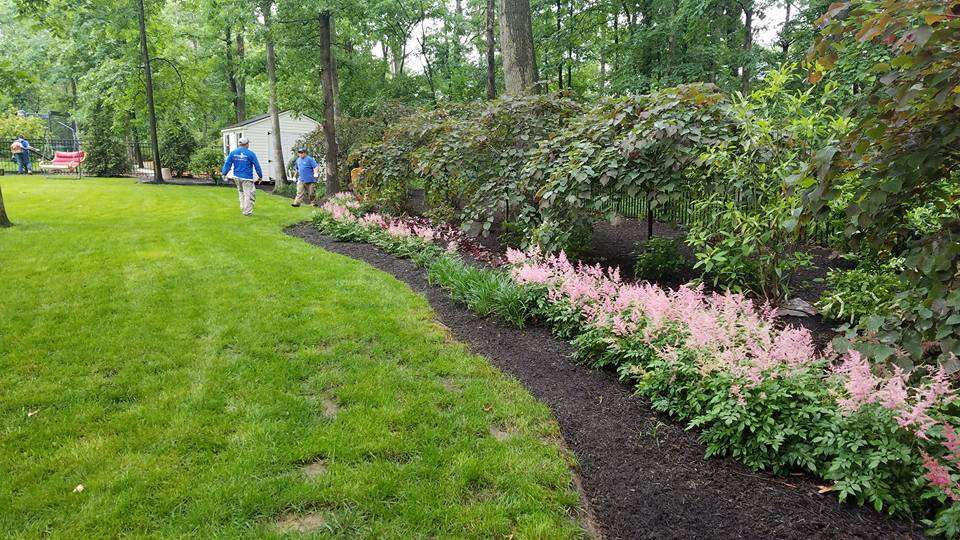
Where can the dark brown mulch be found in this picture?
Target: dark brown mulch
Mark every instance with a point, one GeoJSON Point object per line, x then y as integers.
{"type": "Point", "coordinates": [643, 474]}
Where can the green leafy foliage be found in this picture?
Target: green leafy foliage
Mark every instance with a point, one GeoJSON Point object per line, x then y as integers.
{"type": "Point", "coordinates": [747, 250]}
{"type": "Point", "coordinates": [658, 258]}
{"type": "Point", "coordinates": [12, 125]}
{"type": "Point", "coordinates": [106, 153]}
{"type": "Point", "coordinates": [853, 295]}
{"type": "Point", "coordinates": [872, 460]}
{"type": "Point", "coordinates": [208, 160]}
{"type": "Point", "coordinates": [177, 145]}
{"type": "Point", "coordinates": [483, 291]}
{"type": "Point", "coordinates": [471, 163]}
{"type": "Point", "coordinates": [384, 171]}
{"type": "Point", "coordinates": [904, 150]}
{"type": "Point", "coordinates": [636, 146]}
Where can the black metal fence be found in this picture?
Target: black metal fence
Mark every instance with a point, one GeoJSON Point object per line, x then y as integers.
{"type": "Point", "coordinates": [40, 150]}
{"type": "Point", "coordinates": [140, 156]}
{"type": "Point", "coordinates": [683, 211]}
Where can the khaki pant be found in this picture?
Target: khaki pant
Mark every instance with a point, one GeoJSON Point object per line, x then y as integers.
{"type": "Point", "coordinates": [305, 191]}
{"type": "Point", "coordinates": [248, 195]}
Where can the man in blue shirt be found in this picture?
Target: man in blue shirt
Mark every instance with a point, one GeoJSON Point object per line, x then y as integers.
{"type": "Point", "coordinates": [243, 162]}
{"type": "Point", "coordinates": [21, 154]}
{"type": "Point", "coordinates": [306, 180]}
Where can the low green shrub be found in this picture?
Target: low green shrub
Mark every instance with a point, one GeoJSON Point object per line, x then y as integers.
{"type": "Point", "coordinates": [748, 249]}
{"type": "Point", "coordinates": [853, 295]}
{"type": "Point", "coordinates": [177, 145]}
{"type": "Point", "coordinates": [208, 160]}
{"type": "Point", "coordinates": [658, 258]}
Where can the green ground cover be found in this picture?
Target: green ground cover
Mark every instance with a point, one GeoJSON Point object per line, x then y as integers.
{"type": "Point", "coordinates": [201, 373]}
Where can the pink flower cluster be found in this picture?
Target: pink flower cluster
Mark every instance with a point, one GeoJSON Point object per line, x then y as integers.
{"type": "Point", "coordinates": [343, 207]}
{"type": "Point", "coordinates": [938, 474]}
{"type": "Point", "coordinates": [727, 330]}
{"type": "Point", "coordinates": [912, 404]}
{"type": "Point", "coordinates": [399, 230]}
{"type": "Point", "coordinates": [338, 211]}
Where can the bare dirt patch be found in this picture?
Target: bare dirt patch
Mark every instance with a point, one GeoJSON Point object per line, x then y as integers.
{"type": "Point", "coordinates": [315, 469]}
{"type": "Point", "coordinates": [300, 523]}
{"type": "Point", "coordinates": [499, 433]}
{"type": "Point", "coordinates": [329, 406]}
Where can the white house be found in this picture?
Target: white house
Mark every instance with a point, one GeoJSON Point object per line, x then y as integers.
{"type": "Point", "coordinates": [259, 130]}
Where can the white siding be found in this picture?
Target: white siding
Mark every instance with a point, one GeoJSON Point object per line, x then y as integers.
{"type": "Point", "coordinates": [292, 129]}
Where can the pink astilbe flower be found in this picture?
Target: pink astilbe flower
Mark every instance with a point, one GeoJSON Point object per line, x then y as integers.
{"type": "Point", "coordinates": [939, 476]}
{"type": "Point", "coordinates": [858, 381]}
{"type": "Point", "coordinates": [517, 257]}
{"type": "Point", "coordinates": [913, 405]}
{"type": "Point", "coordinates": [952, 443]}
{"type": "Point", "coordinates": [426, 233]}
{"type": "Point", "coordinates": [532, 273]}
{"type": "Point", "coordinates": [399, 230]}
{"type": "Point", "coordinates": [893, 392]}
{"type": "Point", "coordinates": [729, 330]}
{"type": "Point", "coordinates": [931, 394]}
{"type": "Point", "coordinates": [337, 211]}
{"type": "Point", "coordinates": [374, 220]}
{"type": "Point", "coordinates": [737, 391]}
{"type": "Point", "coordinates": [346, 200]}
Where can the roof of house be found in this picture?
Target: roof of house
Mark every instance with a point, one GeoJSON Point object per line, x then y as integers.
{"type": "Point", "coordinates": [255, 119]}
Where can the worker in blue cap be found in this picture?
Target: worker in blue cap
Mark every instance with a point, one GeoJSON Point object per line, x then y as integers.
{"type": "Point", "coordinates": [306, 178]}
{"type": "Point", "coordinates": [243, 162]}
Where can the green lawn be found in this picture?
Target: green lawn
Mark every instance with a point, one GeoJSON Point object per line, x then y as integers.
{"type": "Point", "coordinates": [201, 373]}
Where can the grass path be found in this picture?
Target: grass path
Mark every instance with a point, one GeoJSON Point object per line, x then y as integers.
{"type": "Point", "coordinates": [201, 373]}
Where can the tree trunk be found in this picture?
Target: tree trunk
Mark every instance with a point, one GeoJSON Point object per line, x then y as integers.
{"type": "Point", "coordinates": [231, 73]}
{"type": "Point", "coordinates": [329, 114]}
{"type": "Point", "coordinates": [603, 56]}
{"type": "Point", "coordinates": [649, 216]}
{"type": "Point", "coordinates": [560, 59]}
{"type": "Point", "coordinates": [73, 92]}
{"type": "Point", "coordinates": [4, 220]}
{"type": "Point", "coordinates": [336, 75]}
{"type": "Point", "coordinates": [745, 72]}
{"type": "Point", "coordinates": [516, 47]}
{"type": "Point", "coordinates": [148, 80]}
{"type": "Point", "coordinates": [616, 42]}
{"type": "Point", "coordinates": [491, 62]}
{"type": "Point", "coordinates": [784, 41]}
{"type": "Point", "coordinates": [241, 79]}
{"type": "Point", "coordinates": [281, 178]}
{"type": "Point", "coordinates": [570, 44]}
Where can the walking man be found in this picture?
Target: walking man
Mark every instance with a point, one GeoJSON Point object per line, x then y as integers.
{"type": "Point", "coordinates": [243, 162]}
{"type": "Point", "coordinates": [21, 154]}
{"type": "Point", "coordinates": [306, 181]}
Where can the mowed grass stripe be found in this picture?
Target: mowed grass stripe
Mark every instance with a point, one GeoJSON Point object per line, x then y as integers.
{"type": "Point", "coordinates": [191, 367]}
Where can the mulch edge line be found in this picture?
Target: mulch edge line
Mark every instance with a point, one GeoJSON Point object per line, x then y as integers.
{"type": "Point", "coordinates": [674, 492]}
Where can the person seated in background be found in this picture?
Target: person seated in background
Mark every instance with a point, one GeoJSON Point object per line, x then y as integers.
{"type": "Point", "coordinates": [243, 161]}
{"type": "Point", "coordinates": [306, 179]}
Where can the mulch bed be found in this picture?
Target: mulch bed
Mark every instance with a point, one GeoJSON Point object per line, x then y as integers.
{"type": "Point", "coordinates": [644, 476]}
